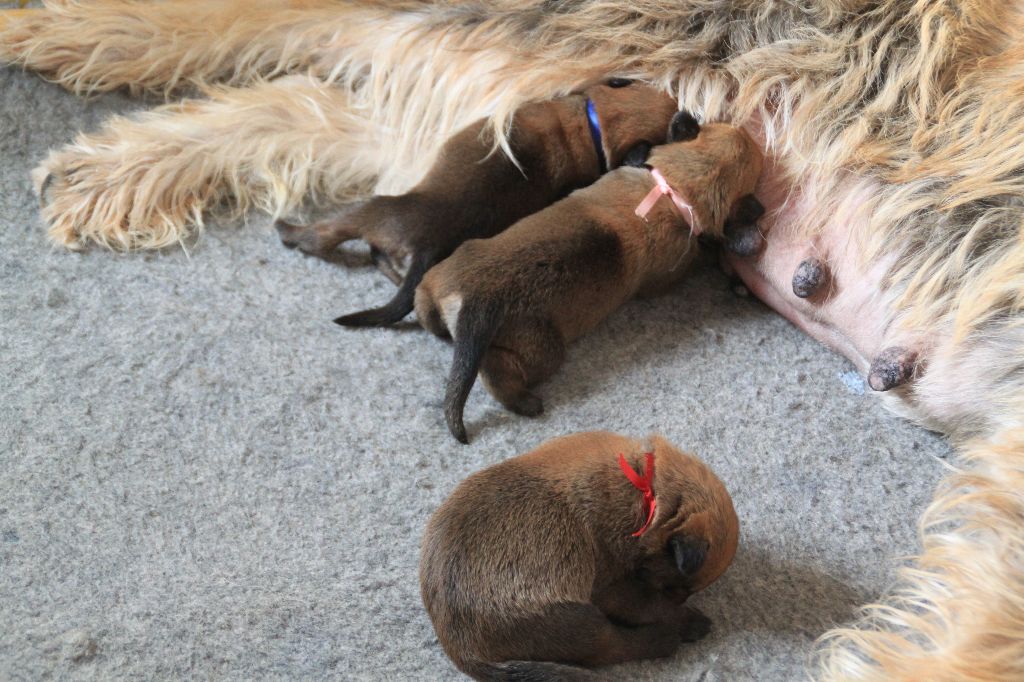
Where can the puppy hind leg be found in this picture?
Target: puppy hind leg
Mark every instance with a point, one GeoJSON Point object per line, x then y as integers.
{"type": "Point", "coordinates": [321, 237]}
{"type": "Point", "coordinates": [634, 602]}
{"type": "Point", "coordinates": [519, 360]}
{"type": "Point", "coordinates": [530, 671]}
{"type": "Point", "coordinates": [580, 634]}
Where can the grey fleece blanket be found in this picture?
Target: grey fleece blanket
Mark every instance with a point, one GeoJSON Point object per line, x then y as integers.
{"type": "Point", "coordinates": [202, 476]}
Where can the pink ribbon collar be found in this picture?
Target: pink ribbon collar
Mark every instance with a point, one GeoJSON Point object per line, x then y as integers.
{"type": "Point", "coordinates": [662, 188]}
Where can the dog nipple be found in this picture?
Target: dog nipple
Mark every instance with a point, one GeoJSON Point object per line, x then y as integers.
{"type": "Point", "coordinates": [744, 240]}
{"type": "Point", "coordinates": [893, 367]}
{"type": "Point", "coordinates": [808, 278]}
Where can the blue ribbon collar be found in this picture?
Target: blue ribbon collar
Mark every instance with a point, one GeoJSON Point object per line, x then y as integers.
{"type": "Point", "coordinates": [595, 134]}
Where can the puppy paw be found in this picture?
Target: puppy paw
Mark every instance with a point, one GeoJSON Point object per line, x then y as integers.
{"type": "Point", "coordinates": [323, 237]}
{"type": "Point", "coordinates": [694, 626]}
{"type": "Point", "coordinates": [305, 238]}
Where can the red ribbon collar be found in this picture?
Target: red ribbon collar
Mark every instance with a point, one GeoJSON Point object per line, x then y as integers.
{"type": "Point", "coordinates": [643, 484]}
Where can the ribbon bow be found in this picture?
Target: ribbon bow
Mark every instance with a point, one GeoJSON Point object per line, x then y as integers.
{"type": "Point", "coordinates": [643, 484]}
{"type": "Point", "coordinates": [662, 188]}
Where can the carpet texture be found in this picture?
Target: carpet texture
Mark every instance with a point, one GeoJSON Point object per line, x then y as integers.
{"type": "Point", "coordinates": [202, 476]}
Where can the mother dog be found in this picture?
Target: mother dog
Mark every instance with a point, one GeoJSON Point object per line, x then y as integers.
{"type": "Point", "coordinates": [895, 192]}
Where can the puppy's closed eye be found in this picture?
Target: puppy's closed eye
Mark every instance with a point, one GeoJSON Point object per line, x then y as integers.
{"type": "Point", "coordinates": [619, 82]}
{"type": "Point", "coordinates": [689, 553]}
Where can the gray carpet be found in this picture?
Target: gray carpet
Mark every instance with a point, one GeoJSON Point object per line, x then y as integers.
{"type": "Point", "coordinates": [202, 476]}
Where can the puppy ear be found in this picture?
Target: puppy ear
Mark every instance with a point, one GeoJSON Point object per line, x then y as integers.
{"type": "Point", "coordinates": [637, 156]}
{"type": "Point", "coordinates": [690, 553]}
{"type": "Point", "coordinates": [683, 127]}
{"type": "Point", "coordinates": [747, 210]}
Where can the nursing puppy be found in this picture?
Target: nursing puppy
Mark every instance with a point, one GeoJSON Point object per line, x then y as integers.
{"type": "Point", "coordinates": [556, 558]}
{"type": "Point", "coordinates": [474, 191]}
{"type": "Point", "coordinates": [512, 302]}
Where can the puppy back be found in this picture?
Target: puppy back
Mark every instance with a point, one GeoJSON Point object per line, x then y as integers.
{"type": "Point", "coordinates": [503, 546]}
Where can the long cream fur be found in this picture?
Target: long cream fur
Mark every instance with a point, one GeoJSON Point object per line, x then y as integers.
{"type": "Point", "coordinates": [907, 112]}
{"type": "Point", "coordinates": [138, 182]}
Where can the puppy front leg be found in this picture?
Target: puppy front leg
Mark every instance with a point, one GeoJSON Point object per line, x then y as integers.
{"type": "Point", "coordinates": [633, 601]}
{"type": "Point", "coordinates": [144, 182]}
{"type": "Point", "coordinates": [582, 635]}
{"type": "Point", "coordinates": [520, 358]}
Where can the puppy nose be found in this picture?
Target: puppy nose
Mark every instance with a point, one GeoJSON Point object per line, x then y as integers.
{"type": "Point", "coordinates": [683, 127]}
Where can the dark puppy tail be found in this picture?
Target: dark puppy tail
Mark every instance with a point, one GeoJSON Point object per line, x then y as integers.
{"type": "Point", "coordinates": [398, 307]}
{"type": "Point", "coordinates": [475, 329]}
{"type": "Point", "coordinates": [530, 671]}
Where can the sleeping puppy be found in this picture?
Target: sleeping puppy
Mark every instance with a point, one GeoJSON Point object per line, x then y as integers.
{"type": "Point", "coordinates": [579, 553]}
{"type": "Point", "coordinates": [512, 302]}
{"type": "Point", "coordinates": [471, 192]}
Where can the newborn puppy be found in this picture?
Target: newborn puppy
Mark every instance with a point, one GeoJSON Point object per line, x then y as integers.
{"type": "Point", "coordinates": [567, 556]}
{"type": "Point", "coordinates": [471, 192]}
{"type": "Point", "coordinates": [512, 302]}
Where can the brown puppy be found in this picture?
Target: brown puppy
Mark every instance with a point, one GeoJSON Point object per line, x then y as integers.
{"type": "Point", "coordinates": [471, 192]}
{"type": "Point", "coordinates": [556, 558]}
{"type": "Point", "coordinates": [512, 302]}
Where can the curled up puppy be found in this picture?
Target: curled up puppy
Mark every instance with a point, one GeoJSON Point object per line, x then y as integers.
{"type": "Point", "coordinates": [476, 191]}
{"type": "Point", "coordinates": [579, 553]}
{"type": "Point", "coordinates": [511, 303]}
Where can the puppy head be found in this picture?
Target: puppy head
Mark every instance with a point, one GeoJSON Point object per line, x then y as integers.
{"type": "Point", "coordinates": [694, 524]}
{"type": "Point", "coordinates": [713, 166]}
{"type": "Point", "coordinates": [632, 115]}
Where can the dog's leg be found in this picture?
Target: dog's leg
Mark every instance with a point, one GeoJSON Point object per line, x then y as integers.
{"type": "Point", "coordinates": [958, 614]}
{"type": "Point", "coordinates": [144, 182]}
{"type": "Point", "coordinates": [161, 46]}
{"type": "Point", "coordinates": [514, 363]}
{"type": "Point", "coordinates": [384, 54]}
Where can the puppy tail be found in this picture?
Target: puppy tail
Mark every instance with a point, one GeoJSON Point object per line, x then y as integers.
{"type": "Point", "coordinates": [530, 671]}
{"type": "Point", "coordinates": [474, 331]}
{"type": "Point", "coordinates": [398, 307]}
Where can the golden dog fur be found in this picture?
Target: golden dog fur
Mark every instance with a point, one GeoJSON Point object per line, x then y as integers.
{"type": "Point", "coordinates": [906, 114]}
{"type": "Point", "coordinates": [534, 559]}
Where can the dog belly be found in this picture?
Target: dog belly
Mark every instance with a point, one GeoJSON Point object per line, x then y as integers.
{"type": "Point", "coordinates": [848, 310]}
{"type": "Point", "coordinates": [844, 313]}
